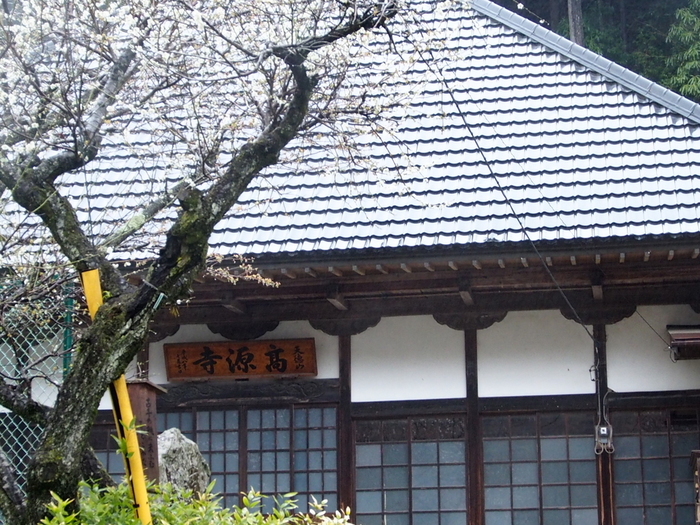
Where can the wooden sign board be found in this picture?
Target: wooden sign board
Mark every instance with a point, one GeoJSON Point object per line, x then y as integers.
{"type": "Point", "coordinates": [240, 359]}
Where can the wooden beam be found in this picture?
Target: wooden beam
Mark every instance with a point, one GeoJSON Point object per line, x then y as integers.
{"type": "Point", "coordinates": [239, 393]}
{"type": "Point", "coordinates": [335, 271]}
{"type": "Point", "coordinates": [647, 255]}
{"type": "Point", "coordinates": [422, 302]}
{"type": "Point", "coordinates": [476, 264]}
{"type": "Point", "coordinates": [501, 263]}
{"type": "Point", "coordinates": [660, 273]}
{"type": "Point", "coordinates": [453, 265]}
{"type": "Point", "coordinates": [398, 293]}
{"type": "Point", "coordinates": [548, 260]}
{"type": "Point", "coordinates": [622, 257]}
{"type": "Point", "coordinates": [671, 254]}
{"type": "Point", "coordinates": [573, 260]}
{"type": "Point", "coordinates": [523, 261]}
{"type": "Point", "coordinates": [310, 272]}
{"type": "Point", "coordinates": [406, 268]}
{"type": "Point", "coordinates": [563, 403]}
{"type": "Point", "coordinates": [428, 266]}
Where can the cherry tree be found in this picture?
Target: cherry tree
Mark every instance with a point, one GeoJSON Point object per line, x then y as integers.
{"type": "Point", "coordinates": [198, 97]}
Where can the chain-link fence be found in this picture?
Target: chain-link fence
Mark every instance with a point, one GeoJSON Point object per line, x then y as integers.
{"type": "Point", "coordinates": [36, 335]}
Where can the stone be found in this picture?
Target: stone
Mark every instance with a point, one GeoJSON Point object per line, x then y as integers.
{"type": "Point", "coordinates": [181, 463]}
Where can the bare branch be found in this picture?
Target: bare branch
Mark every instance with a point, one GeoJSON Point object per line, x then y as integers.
{"type": "Point", "coordinates": [119, 74]}
{"type": "Point", "coordinates": [375, 16]}
{"type": "Point", "coordinates": [151, 210]}
{"type": "Point", "coordinates": [21, 404]}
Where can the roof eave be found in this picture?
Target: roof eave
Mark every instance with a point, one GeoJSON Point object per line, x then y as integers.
{"type": "Point", "coordinates": [483, 251]}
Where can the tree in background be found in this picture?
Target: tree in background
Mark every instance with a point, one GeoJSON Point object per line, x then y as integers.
{"type": "Point", "coordinates": [576, 32]}
{"type": "Point", "coordinates": [685, 61]}
{"type": "Point", "coordinates": [632, 33]}
{"type": "Point", "coordinates": [189, 102]}
{"type": "Point", "coordinates": [646, 30]}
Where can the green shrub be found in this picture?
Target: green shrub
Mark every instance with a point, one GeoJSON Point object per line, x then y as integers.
{"type": "Point", "coordinates": [113, 506]}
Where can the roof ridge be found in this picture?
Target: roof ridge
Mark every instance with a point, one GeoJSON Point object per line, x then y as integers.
{"type": "Point", "coordinates": [598, 63]}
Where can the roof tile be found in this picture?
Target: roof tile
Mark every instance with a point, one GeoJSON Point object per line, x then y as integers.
{"type": "Point", "coordinates": [580, 148]}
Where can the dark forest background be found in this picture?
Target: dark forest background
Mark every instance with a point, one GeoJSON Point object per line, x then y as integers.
{"type": "Point", "coordinates": [659, 39]}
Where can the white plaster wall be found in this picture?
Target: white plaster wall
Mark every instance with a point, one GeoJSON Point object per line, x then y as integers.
{"type": "Point", "coordinates": [408, 358]}
{"type": "Point", "coordinates": [106, 402]}
{"type": "Point", "coordinates": [326, 346]}
{"type": "Point", "coordinates": [638, 358]}
{"type": "Point", "coordinates": [130, 373]}
{"type": "Point", "coordinates": [534, 353]}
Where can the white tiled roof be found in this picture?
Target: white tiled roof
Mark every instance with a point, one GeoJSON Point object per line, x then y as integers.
{"type": "Point", "coordinates": [506, 114]}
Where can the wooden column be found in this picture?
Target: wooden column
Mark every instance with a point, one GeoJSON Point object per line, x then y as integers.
{"type": "Point", "coordinates": [599, 316]}
{"type": "Point", "coordinates": [344, 329]}
{"type": "Point", "coordinates": [143, 401]}
{"type": "Point", "coordinates": [475, 471]}
{"type": "Point", "coordinates": [346, 451]}
{"type": "Point", "coordinates": [470, 322]}
{"type": "Point", "coordinates": [606, 508]}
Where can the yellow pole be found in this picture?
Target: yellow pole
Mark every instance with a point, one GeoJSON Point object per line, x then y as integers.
{"type": "Point", "coordinates": [123, 415]}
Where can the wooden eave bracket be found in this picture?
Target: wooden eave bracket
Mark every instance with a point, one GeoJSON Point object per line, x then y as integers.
{"type": "Point", "coordinates": [158, 332]}
{"type": "Point", "coordinates": [234, 305]}
{"type": "Point", "coordinates": [469, 320]}
{"type": "Point", "coordinates": [597, 286]}
{"type": "Point", "coordinates": [344, 326]}
{"type": "Point", "coordinates": [465, 292]}
{"type": "Point", "coordinates": [337, 300]}
{"type": "Point", "coordinates": [243, 331]}
{"type": "Point", "coordinates": [598, 314]}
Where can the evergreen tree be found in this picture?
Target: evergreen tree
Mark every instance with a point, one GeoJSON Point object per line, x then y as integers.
{"type": "Point", "coordinates": [632, 33]}
{"type": "Point", "coordinates": [685, 60]}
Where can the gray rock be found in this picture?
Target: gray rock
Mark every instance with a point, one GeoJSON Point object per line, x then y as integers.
{"type": "Point", "coordinates": [181, 463]}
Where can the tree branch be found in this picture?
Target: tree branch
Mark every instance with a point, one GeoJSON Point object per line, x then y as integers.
{"type": "Point", "coordinates": [187, 242]}
{"type": "Point", "coordinates": [121, 324]}
{"type": "Point", "coordinates": [22, 404]}
{"type": "Point", "coordinates": [37, 195]}
{"type": "Point", "coordinates": [120, 72]}
{"type": "Point", "coordinates": [151, 210]}
{"type": "Point", "coordinates": [375, 16]}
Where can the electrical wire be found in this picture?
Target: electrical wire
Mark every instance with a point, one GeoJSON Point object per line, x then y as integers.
{"type": "Point", "coordinates": [493, 175]}
{"type": "Point", "coordinates": [602, 445]}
